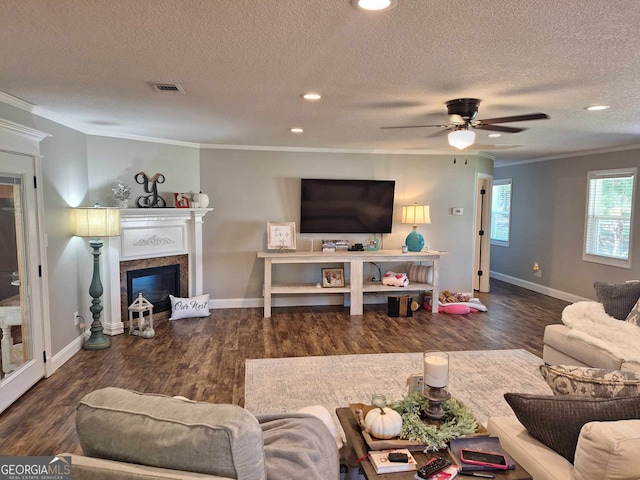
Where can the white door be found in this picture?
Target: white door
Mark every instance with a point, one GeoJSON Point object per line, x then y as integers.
{"type": "Point", "coordinates": [21, 316]}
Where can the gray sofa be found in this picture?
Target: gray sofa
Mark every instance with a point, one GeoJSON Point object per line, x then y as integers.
{"type": "Point", "coordinates": [127, 435]}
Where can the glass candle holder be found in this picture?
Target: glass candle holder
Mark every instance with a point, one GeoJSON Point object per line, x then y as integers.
{"type": "Point", "coordinates": [378, 400]}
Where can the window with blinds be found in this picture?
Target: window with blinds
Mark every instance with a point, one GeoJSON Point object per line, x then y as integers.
{"type": "Point", "coordinates": [501, 212]}
{"type": "Point", "coordinates": [609, 216]}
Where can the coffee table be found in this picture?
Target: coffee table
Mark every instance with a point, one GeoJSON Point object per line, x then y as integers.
{"type": "Point", "coordinates": [357, 448]}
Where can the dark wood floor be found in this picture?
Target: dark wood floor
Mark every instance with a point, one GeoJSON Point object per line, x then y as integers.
{"type": "Point", "coordinates": [203, 359]}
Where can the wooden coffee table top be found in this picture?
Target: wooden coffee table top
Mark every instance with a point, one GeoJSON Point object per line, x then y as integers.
{"type": "Point", "coordinates": [358, 449]}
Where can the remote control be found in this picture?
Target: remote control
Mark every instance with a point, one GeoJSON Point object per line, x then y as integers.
{"type": "Point", "coordinates": [432, 466]}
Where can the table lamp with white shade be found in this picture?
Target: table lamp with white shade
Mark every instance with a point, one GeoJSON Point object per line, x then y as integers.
{"type": "Point", "coordinates": [96, 222]}
{"type": "Point", "coordinates": [415, 215]}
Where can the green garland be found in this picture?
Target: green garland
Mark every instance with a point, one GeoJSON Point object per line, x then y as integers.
{"type": "Point", "coordinates": [458, 421]}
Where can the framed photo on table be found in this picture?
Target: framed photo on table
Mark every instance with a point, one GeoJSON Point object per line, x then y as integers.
{"type": "Point", "coordinates": [333, 277]}
{"type": "Point", "coordinates": [281, 235]}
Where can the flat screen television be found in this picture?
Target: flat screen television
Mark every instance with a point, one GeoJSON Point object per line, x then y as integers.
{"type": "Point", "coordinates": [346, 206]}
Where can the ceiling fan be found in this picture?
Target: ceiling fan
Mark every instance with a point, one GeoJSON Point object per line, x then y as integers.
{"type": "Point", "coordinates": [462, 114]}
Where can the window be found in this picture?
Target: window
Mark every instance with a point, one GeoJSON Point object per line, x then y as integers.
{"type": "Point", "coordinates": [609, 216]}
{"type": "Point", "coordinates": [501, 212]}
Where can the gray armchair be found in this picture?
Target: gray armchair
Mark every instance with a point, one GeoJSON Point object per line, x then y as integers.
{"type": "Point", "coordinates": [130, 435]}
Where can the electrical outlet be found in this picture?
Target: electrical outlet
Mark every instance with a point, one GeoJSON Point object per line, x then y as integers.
{"type": "Point", "coordinates": [76, 318]}
{"type": "Point", "coordinates": [538, 273]}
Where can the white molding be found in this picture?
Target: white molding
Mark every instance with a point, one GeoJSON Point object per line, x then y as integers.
{"type": "Point", "coordinates": [142, 138]}
{"type": "Point", "coordinates": [582, 153]}
{"type": "Point", "coordinates": [39, 111]}
{"type": "Point", "coordinates": [26, 132]}
{"type": "Point", "coordinates": [268, 148]}
{"type": "Point", "coordinates": [67, 352]}
{"type": "Point", "coordinates": [552, 292]}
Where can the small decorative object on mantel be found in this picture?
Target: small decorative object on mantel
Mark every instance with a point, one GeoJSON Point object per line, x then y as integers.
{"type": "Point", "coordinates": [181, 200]}
{"type": "Point", "coordinates": [281, 236]}
{"type": "Point", "coordinates": [202, 199]}
{"type": "Point", "coordinates": [121, 193]}
{"type": "Point", "coordinates": [145, 327]}
{"type": "Point", "coordinates": [153, 200]}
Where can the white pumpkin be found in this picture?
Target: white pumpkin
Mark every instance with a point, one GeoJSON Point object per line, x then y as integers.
{"type": "Point", "coordinates": [383, 422]}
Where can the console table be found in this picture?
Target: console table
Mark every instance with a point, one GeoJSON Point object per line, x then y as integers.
{"type": "Point", "coordinates": [356, 286]}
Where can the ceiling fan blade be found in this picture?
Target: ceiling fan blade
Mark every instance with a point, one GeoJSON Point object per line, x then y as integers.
{"type": "Point", "coordinates": [499, 128]}
{"type": "Point", "coordinates": [437, 133]}
{"type": "Point", "coordinates": [415, 126]}
{"type": "Point", "coordinates": [517, 118]}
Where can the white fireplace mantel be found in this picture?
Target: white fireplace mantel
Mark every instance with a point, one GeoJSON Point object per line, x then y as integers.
{"type": "Point", "coordinates": [150, 233]}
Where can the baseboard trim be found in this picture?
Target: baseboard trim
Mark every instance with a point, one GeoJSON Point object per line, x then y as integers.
{"type": "Point", "coordinates": [552, 292]}
{"type": "Point", "coordinates": [67, 352]}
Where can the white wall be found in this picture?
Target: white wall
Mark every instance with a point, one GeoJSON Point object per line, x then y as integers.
{"type": "Point", "coordinates": [250, 188]}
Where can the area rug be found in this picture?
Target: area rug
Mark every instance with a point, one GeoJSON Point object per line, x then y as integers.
{"type": "Point", "coordinates": [478, 378]}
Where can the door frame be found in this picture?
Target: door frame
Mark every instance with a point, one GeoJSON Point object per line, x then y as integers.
{"type": "Point", "coordinates": [16, 139]}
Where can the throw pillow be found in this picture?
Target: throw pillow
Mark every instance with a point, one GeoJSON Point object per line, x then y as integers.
{"type": "Point", "coordinates": [591, 382]}
{"type": "Point", "coordinates": [634, 315]}
{"type": "Point", "coordinates": [420, 273]}
{"type": "Point", "coordinates": [556, 421]}
{"type": "Point", "coordinates": [189, 307]}
{"type": "Point", "coordinates": [617, 298]}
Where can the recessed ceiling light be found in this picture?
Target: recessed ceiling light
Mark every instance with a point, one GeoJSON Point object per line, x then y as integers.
{"type": "Point", "coordinates": [494, 135]}
{"type": "Point", "coordinates": [296, 130]}
{"type": "Point", "coordinates": [374, 5]}
{"type": "Point", "coordinates": [311, 96]}
{"type": "Point", "coordinates": [595, 108]}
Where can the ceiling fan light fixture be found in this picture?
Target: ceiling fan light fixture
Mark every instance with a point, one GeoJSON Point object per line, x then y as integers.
{"type": "Point", "coordinates": [374, 5]}
{"type": "Point", "coordinates": [461, 139]}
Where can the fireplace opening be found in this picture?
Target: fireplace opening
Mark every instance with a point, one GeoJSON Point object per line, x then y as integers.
{"type": "Point", "coordinates": [155, 284]}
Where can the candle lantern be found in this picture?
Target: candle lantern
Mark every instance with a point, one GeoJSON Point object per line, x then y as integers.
{"type": "Point", "coordinates": [436, 378]}
{"type": "Point", "coordinates": [145, 328]}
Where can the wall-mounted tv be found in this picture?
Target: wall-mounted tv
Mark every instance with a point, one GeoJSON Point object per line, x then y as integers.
{"type": "Point", "coordinates": [346, 206]}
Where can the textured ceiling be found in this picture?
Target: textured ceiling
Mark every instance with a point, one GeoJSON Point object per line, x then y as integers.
{"type": "Point", "coordinates": [244, 63]}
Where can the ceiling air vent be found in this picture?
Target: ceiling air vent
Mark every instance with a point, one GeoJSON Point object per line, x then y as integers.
{"type": "Point", "coordinates": [168, 88]}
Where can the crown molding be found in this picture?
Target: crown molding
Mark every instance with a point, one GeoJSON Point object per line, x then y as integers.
{"type": "Point", "coordinates": [142, 138]}
{"type": "Point", "coordinates": [581, 153]}
{"type": "Point", "coordinates": [276, 148]}
{"type": "Point", "coordinates": [39, 111]}
{"type": "Point", "coordinates": [29, 133]}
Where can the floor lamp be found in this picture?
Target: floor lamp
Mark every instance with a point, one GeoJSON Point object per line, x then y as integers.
{"type": "Point", "coordinates": [415, 215]}
{"type": "Point", "coordinates": [96, 222]}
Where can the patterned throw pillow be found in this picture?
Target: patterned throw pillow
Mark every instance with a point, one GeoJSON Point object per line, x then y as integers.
{"type": "Point", "coordinates": [420, 273]}
{"type": "Point", "coordinates": [556, 421]}
{"type": "Point", "coordinates": [591, 382]}
{"type": "Point", "coordinates": [634, 315]}
{"type": "Point", "coordinates": [617, 299]}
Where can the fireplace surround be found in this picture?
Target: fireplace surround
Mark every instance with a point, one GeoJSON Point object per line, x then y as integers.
{"type": "Point", "coordinates": [151, 237]}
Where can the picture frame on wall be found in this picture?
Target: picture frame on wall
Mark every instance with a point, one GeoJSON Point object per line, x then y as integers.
{"type": "Point", "coordinates": [281, 235]}
{"type": "Point", "coordinates": [333, 277]}
{"type": "Point", "coordinates": [181, 200]}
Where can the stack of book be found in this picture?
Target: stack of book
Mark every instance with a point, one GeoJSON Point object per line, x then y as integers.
{"type": "Point", "coordinates": [335, 245]}
{"type": "Point", "coordinates": [380, 460]}
{"type": "Point", "coordinates": [483, 444]}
